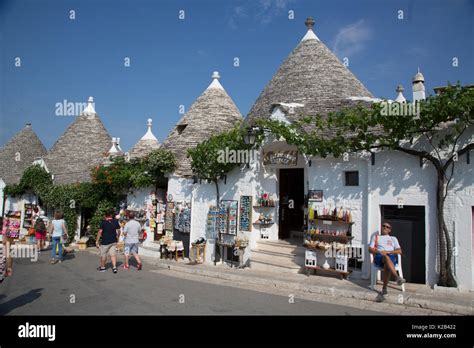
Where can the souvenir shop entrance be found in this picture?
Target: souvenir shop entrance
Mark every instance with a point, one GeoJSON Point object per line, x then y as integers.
{"type": "Point", "coordinates": [291, 213]}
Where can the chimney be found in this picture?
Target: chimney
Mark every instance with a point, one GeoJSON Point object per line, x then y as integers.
{"type": "Point", "coordinates": [418, 87]}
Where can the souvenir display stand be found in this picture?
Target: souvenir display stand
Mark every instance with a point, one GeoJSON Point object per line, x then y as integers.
{"type": "Point", "coordinates": [265, 207]}
{"type": "Point", "coordinates": [226, 226]}
{"type": "Point", "coordinates": [327, 237]}
{"type": "Point", "coordinates": [28, 214]}
{"type": "Point", "coordinates": [176, 222]}
{"type": "Point", "coordinates": [245, 216]}
{"type": "Point", "coordinates": [159, 221]}
{"type": "Point", "coordinates": [12, 224]}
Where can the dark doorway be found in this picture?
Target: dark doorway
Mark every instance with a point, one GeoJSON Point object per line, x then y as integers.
{"type": "Point", "coordinates": [408, 225]}
{"type": "Point", "coordinates": [291, 213]}
{"type": "Point", "coordinates": [86, 216]}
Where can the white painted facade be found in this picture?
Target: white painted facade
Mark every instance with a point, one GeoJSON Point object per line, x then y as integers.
{"type": "Point", "coordinates": [394, 175]}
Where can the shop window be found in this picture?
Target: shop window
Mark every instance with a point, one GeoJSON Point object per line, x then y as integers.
{"type": "Point", "coordinates": [352, 178]}
{"type": "Point", "coordinates": [180, 128]}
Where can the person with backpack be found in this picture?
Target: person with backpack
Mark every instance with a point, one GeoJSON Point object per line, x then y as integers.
{"type": "Point", "coordinates": [40, 231]}
{"type": "Point", "coordinates": [109, 231]}
{"type": "Point", "coordinates": [385, 249]}
{"type": "Point", "coordinates": [132, 231]}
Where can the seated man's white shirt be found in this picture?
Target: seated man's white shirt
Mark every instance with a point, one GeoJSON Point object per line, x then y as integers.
{"type": "Point", "coordinates": [385, 243]}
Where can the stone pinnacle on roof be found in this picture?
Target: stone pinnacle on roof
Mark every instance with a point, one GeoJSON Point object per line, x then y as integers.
{"type": "Point", "coordinates": [114, 150]}
{"type": "Point", "coordinates": [400, 98]}
{"type": "Point", "coordinates": [418, 77]}
{"type": "Point", "coordinates": [149, 135]}
{"type": "Point", "coordinates": [146, 144]}
{"type": "Point", "coordinates": [215, 81]}
{"type": "Point", "coordinates": [90, 109]}
{"type": "Point", "coordinates": [310, 35]}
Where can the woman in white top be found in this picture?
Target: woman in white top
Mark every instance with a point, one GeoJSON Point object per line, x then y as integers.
{"type": "Point", "coordinates": [58, 231]}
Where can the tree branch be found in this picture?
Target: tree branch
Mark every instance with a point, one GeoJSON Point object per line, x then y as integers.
{"type": "Point", "coordinates": [423, 154]}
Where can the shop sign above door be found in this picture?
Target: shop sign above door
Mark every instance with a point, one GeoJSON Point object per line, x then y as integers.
{"type": "Point", "coordinates": [288, 158]}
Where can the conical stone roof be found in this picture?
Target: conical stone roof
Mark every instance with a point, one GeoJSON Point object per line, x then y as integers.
{"type": "Point", "coordinates": [19, 153]}
{"type": "Point", "coordinates": [313, 76]}
{"type": "Point", "coordinates": [82, 146]}
{"type": "Point", "coordinates": [212, 113]}
{"type": "Point", "coordinates": [146, 144]}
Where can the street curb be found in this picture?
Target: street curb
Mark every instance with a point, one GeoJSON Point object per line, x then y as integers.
{"type": "Point", "coordinates": [368, 295]}
{"type": "Point", "coordinates": [407, 299]}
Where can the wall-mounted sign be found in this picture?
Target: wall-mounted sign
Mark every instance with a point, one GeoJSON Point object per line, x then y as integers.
{"type": "Point", "coordinates": [315, 195]}
{"type": "Point", "coordinates": [288, 158]}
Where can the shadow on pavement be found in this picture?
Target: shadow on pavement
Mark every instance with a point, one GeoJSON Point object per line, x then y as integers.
{"type": "Point", "coordinates": [20, 301]}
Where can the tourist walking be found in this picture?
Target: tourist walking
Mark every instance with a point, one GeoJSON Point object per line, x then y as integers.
{"type": "Point", "coordinates": [59, 231]}
{"type": "Point", "coordinates": [8, 240]}
{"type": "Point", "coordinates": [40, 230]}
{"type": "Point", "coordinates": [109, 232]}
{"type": "Point", "coordinates": [131, 233]}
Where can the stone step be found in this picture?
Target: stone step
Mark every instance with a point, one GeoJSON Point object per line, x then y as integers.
{"type": "Point", "coordinates": [151, 249]}
{"type": "Point", "coordinates": [282, 259]}
{"type": "Point", "coordinates": [274, 265]}
{"type": "Point", "coordinates": [276, 262]}
{"type": "Point", "coordinates": [279, 253]}
{"type": "Point", "coordinates": [279, 247]}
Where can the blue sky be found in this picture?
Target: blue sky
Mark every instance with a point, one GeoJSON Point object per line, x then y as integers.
{"type": "Point", "coordinates": [172, 59]}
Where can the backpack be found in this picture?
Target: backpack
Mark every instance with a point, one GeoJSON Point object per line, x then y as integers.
{"type": "Point", "coordinates": [39, 225]}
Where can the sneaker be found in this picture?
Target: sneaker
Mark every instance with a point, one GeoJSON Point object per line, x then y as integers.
{"type": "Point", "coordinates": [101, 269]}
{"type": "Point", "coordinates": [126, 267]}
{"type": "Point", "coordinates": [114, 269]}
{"type": "Point", "coordinates": [400, 281]}
{"type": "Point", "coordinates": [53, 261]}
{"type": "Point", "coordinates": [139, 267]}
{"type": "Point", "coordinates": [384, 291]}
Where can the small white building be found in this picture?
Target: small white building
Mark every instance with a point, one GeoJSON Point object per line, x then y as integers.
{"type": "Point", "coordinates": [20, 152]}
{"type": "Point", "coordinates": [390, 186]}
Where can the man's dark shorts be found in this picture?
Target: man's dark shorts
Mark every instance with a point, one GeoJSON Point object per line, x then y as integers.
{"type": "Point", "coordinates": [378, 259]}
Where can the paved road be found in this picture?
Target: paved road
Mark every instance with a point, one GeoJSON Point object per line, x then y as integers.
{"type": "Point", "coordinates": [38, 288]}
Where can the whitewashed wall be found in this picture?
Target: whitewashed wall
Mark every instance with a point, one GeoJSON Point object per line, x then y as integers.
{"type": "Point", "coordinates": [458, 212]}
{"type": "Point", "coordinates": [328, 175]}
{"type": "Point", "coordinates": [398, 175]}
{"type": "Point", "coordinates": [394, 175]}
